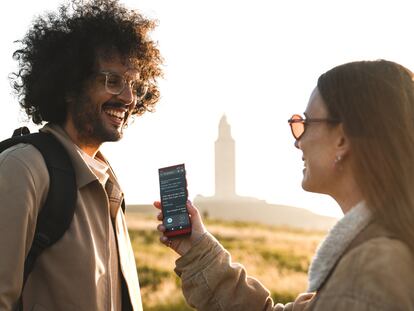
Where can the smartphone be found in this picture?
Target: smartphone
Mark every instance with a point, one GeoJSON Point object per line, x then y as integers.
{"type": "Point", "coordinates": [173, 191]}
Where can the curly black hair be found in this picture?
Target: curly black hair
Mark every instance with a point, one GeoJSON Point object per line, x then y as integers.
{"type": "Point", "coordinates": [59, 52]}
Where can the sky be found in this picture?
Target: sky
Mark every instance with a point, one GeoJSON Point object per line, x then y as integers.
{"type": "Point", "coordinates": [255, 61]}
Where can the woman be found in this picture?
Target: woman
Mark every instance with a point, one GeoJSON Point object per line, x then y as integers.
{"type": "Point", "coordinates": [357, 141]}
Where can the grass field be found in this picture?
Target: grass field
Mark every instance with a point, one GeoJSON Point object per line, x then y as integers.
{"type": "Point", "coordinates": [278, 257]}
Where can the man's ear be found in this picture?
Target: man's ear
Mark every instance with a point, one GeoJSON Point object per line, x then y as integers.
{"type": "Point", "coordinates": [342, 146]}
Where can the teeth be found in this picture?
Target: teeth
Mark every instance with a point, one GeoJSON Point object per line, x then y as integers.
{"type": "Point", "coordinates": [116, 113]}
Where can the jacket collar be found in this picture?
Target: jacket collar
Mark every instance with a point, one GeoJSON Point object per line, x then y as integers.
{"type": "Point", "coordinates": [336, 244]}
{"type": "Point", "coordinates": [371, 231]}
{"type": "Point", "coordinates": [83, 173]}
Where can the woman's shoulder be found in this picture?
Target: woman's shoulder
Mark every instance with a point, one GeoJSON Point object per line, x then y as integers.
{"type": "Point", "coordinates": [378, 271]}
{"type": "Point", "coordinates": [388, 253]}
{"type": "Point", "coordinates": [382, 249]}
{"type": "Point", "coordinates": [376, 248]}
{"type": "Point", "coordinates": [380, 255]}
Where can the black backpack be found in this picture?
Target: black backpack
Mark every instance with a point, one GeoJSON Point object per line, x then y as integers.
{"type": "Point", "coordinates": [57, 212]}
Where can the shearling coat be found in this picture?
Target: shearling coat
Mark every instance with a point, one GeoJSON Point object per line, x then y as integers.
{"type": "Point", "coordinates": [376, 272]}
{"type": "Point", "coordinates": [84, 269]}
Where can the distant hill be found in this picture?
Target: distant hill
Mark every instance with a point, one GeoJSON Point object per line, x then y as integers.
{"type": "Point", "coordinates": [253, 210]}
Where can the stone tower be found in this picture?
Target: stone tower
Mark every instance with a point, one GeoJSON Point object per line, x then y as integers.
{"type": "Point", "coordinates": [225, 171]}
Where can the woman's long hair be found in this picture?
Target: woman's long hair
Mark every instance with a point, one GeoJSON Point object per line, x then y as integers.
{"type": "Point", "coordinates": [375, 102]}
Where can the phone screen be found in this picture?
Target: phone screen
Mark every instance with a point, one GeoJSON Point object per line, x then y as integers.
{"type": "Point", "coordinates": [173, 190]}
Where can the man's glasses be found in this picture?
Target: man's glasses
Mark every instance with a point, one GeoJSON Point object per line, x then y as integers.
{"type": "Point", "coordinates": [115, 84]}
{"type": "Point", "coordinates": [298, 124]}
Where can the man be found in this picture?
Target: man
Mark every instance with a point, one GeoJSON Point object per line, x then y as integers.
{"type": "Point", "coordinates": [85, 71]}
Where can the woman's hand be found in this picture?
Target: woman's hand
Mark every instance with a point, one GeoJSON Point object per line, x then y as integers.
{"type": "Point", "coordinates": [182, 244]}
{"type": "Point", "coordinates": [300, 303]}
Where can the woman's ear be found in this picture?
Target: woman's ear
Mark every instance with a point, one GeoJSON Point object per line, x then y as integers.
{"type": "Point", "coordinates": [342, 143]}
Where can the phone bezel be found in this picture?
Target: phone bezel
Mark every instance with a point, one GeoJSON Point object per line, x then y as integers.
{"type": "Point", "coordinates": [187, 229]}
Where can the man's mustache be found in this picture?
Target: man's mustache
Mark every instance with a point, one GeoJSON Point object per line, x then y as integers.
{"type": "Point", "coordinates": [115, 105]}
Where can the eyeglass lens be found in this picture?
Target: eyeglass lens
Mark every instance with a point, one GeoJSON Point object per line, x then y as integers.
{"type": "Point", "coordinates": [297, 126]}
{"type": "Point", "coordinates": [140, 89]}
{"type": "Point", "coordinates": [115, 84]}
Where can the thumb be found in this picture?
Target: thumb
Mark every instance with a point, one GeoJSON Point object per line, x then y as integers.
{"type": "Point", "coordinates": [196, 220]}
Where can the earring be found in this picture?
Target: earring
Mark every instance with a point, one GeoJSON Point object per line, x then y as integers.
{"type": "Point", "coordinates": [338, 159]}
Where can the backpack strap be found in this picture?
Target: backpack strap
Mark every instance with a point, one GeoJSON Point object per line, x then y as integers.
{"type": "Point", "coordinates": [56, 214]}
{"type": "Point", "coordinates": [21, 131]}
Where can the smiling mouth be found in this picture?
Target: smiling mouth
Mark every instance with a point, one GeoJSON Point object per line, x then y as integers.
{"type": "Point", "coordinates": [116, 117]}
{"type": "Point", "coordinates": [116, 112]}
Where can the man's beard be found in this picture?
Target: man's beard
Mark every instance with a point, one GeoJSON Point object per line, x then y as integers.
{"type": "Point", "coordinates": [90, 125]}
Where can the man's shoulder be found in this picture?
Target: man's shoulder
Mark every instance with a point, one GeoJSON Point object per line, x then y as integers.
{"type": "Point", "coordinates": [23, 154]}
{"type": "Point", "coordinates": [23, 161]}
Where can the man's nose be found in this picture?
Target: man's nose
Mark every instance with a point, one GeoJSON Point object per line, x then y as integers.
{"type": "Point", "coordinates": [127, 95]}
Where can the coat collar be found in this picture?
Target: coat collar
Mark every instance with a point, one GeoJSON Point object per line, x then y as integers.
{"type": "Point", "coordinates": [336, 243]}
{"type": "Point", "coordinates": [371, 231]}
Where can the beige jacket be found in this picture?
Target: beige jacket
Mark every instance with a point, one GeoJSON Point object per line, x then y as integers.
{"type": "Point", "coordinates": [376, 272]}
{"type": "Point", "coordinates": [83, 270]}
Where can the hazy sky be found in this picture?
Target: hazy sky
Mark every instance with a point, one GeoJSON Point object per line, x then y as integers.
{"type": "Point", "coordinates": [256, 61]}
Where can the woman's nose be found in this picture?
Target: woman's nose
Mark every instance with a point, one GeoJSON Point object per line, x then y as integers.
{"type": "Point", "coordinates": [296, 144]}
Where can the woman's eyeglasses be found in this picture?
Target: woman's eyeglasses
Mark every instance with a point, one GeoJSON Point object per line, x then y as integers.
{"type": "Point", "coordinates": [298, 124]}
{"type": "Point", "coordinates": [115, 84]}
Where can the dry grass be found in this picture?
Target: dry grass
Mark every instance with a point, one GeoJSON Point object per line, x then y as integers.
{"type": "Point", "coordinates": [278, 257]}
